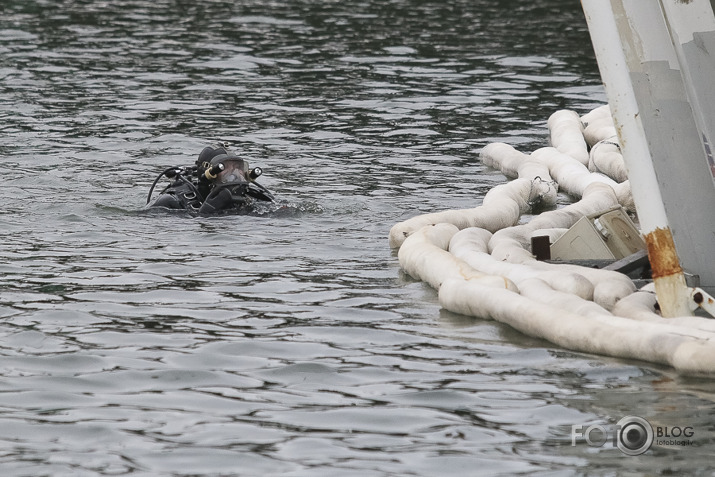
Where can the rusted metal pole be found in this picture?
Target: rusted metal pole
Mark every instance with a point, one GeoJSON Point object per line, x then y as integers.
{"type": "Point", "coordinates": [668, 277]}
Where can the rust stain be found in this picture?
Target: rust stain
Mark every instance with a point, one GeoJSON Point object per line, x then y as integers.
{"type": "Point", "coordinates": [663, 258]}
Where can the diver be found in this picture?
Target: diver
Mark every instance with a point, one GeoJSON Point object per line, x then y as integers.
{"type": "Point", "coordinates": [219, 182]}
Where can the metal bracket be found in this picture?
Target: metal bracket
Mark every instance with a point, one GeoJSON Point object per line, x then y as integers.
{"type": "Point", "coordinates": [700, 299]}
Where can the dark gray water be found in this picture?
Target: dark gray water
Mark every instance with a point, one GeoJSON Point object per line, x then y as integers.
{"type": "Point", "coordinates": [287, 342]}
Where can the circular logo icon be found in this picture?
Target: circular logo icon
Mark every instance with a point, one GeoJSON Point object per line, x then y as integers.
{"type": "Point", "coordinates": [635, 435]}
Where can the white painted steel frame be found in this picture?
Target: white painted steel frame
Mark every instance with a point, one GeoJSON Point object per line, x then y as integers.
{"type": "Point", "coordinates": [615, 72]}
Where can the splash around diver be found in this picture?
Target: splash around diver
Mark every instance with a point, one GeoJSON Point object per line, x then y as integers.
{"type": "Point", "coordinates": [219, 183]}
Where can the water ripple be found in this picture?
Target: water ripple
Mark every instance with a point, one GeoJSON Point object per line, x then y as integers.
{"type": "Point", "coordinates": [285, 341]}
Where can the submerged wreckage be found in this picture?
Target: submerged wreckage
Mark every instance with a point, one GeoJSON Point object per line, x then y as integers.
{"type": "Point", "coordinates": [583, 276]}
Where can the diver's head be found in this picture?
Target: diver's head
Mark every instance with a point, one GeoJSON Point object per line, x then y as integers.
{"type": "Point", "coordinates": [209, 152]}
